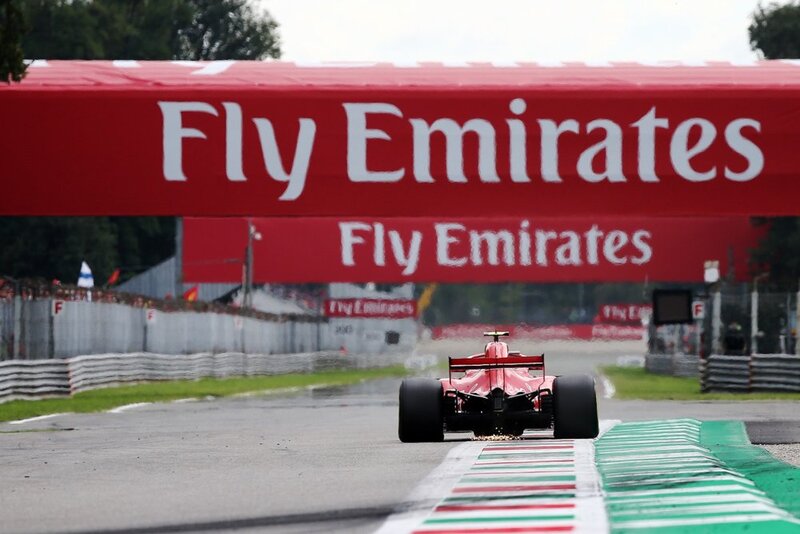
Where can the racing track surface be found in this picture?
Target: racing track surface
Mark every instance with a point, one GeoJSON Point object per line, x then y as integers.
{"type": "Point", "coordinates": [314, 461]}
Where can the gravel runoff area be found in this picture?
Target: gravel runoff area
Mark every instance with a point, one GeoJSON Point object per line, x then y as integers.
{"type": "Point", "coordinates": [787, 452]}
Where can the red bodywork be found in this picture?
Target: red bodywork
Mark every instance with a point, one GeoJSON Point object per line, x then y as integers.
{"type": "Point", "coordinates": [511, 384]}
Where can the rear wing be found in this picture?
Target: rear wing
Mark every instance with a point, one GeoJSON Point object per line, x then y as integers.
{"type": "Point", "coordinates": [511, 362]}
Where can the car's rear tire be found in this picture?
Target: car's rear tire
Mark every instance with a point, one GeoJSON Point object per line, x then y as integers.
{"type": "Point", "coordinates": [574, 407]}
{"type": "Point", "coordinates": [421, 414]}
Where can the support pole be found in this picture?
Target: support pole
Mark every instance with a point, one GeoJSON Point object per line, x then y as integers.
{"type": "Point", "coordinates": [754, 320]}
{"type": "Point", "coordinates": [716, 323]}
{"type": "Point", "coordinates": [17, 323]}
{"type": "Point", "coordinates": [178, 258]}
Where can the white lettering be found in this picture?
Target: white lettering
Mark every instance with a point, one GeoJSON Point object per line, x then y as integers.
{"type": "Point", "coordinates": [524, 243]}
{"type": "Point", "coordinates": [378, 249]}
{"type": "Point", "coordinates": [647, 144]}
{"type": "Point", "coordinates": [569, 253]}
{"type": "Point", "coordinates": [542, 238]}
{"type": "Point", "coordinates": [550, 133]}
{"type": "Point", "coordinates": [682, 155]}
{"type": "Point", "coordinates": [410, 260]}
{"type": "Point", "coordinates": [592, 236]}
{"type": "Point", "coordinates": [454, 138]}
{"type": "Point", "coordinates": [614, 242]}
{"type": "Point", "coordinates": [443, 242]}
{"type": "Point", "coordinates": [751, 152]}
{"type": "Point", "coordinates": [492, 240]}
{"type": "Point", "coordinates": [642, 246]}
{"type": "Point", "coordinates": [611, 145]}
{"type": "Point", "coordinates": [357, 136]}
{"type": "Point", "coordinates": [233, 142]}
{"type": "Point", "coordinates": [349, 239]}
{"type": "Point", "coordinates": [518, 161]}
{"type": "Point", "coordinates": [274, 162]}
{"type": "Point", "coordinates": [174, 133]}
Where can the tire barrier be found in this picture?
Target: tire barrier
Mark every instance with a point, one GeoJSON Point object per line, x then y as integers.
{"type": "Point", "coordinates": [42, 378]}
{"type": "Point", "coordinates": [759, 372]}
{"type": "Point", "coordinates": [687, 365]}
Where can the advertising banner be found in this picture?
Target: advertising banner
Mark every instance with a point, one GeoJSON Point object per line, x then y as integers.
{"type": "Point", "coordinates": [279, 139]}
{"type": "Point", "coordinates": [371, 308]}
{"type": "Point", "coordinates": [424, 249]}
{"type": "Point", "coordinates": [564, 332]}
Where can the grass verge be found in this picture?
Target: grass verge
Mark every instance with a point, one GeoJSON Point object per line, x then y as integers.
{"type": "Point", "coordinates": [636, 383]}
{"type": "Point", "coordinates": [105, 399]}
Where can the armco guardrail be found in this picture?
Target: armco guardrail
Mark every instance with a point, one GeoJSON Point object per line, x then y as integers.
{"type": "Point", "coordinates": [31, 379]}
{"type": "Point", "coordinates": [673, 364]}
{"type": "Point", "coordinates": [39, 378]}
{"type": "Point", "coordinates": [759, 372]}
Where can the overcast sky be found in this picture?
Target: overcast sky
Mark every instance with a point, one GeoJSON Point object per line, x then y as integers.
{"type": "Point", "coordinates": [509, 30]}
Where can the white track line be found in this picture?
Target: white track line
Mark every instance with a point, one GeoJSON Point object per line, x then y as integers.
{"type": "Point", "coordinates": [608, 387]}
{"type": "Point", "coordinates": [39, 418]}
{"type": "Point", "coordinates": [125, 408]}
{"type": "Point", "coordinates": [439, 483]}
{"type": "Point", "coordinates": [433, 488]}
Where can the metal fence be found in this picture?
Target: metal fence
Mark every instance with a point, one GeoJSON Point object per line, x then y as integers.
{"type": "Point", "coordinates": [52, 328]}
{"type": "Point", "coordinates": [748, 322]}
{"type": "Point", "coordinates": [687, 365]}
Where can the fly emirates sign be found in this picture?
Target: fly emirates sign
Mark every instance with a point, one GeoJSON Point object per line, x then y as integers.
{"type": "Point", "coordinates": [466, 249]}
{"type": "Point", "coordinates": [693, 149]}
{"type": "Point", "coordinates": [272, 139]}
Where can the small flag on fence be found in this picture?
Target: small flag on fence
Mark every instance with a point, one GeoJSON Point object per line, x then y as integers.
{"type": "Point", "coordinates": [85, 278]}
{"type": "Point", "coordinates": [191, 294]}
{"type": "Point", "coordinates": [114, 278]}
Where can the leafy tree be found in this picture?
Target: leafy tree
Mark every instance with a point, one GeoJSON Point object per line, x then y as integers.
{"type": "Point", "coordinates": [149, 29]}
{"type": "Point", "coordinates": [114, 29]}
{"type": "Point", "coordinates": [228, 29]}
{"type": "Point", "coordinates": [12, 27]}
{"type": "Point", "coordinates": [775, 33]}
{"type": "Point", "coordinates": [53, 247]}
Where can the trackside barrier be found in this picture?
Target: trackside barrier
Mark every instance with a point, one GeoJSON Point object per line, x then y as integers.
{"type": "Point", "coordinates": [31, 379]}
{"type": "Point", "coordinates": [687, 365]}
{"type": "Point", "coordinates": [760, 372]}
{"type": "Point", "coordinates": [40, 378]}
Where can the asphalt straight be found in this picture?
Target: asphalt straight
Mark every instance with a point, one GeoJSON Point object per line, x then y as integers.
{"type": "Point", "coordinates": [316, 461]}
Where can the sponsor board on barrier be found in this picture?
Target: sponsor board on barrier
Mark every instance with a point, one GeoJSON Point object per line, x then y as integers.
{"type": "Point", "coordinates": [584, 332]}
{"type": "Point", "coordinates": [371, 308]}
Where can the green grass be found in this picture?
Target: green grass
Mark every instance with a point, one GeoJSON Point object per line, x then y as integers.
{"type": "Point", "coordinates": [636, 383]}
{"type": "Point", "coordinates": [104, 399]}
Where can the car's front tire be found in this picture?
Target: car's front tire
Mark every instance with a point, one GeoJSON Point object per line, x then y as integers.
{"type": "Point", "coordinates": [421, 413]}
{"type": "Point", "coordinates": [574, 407]}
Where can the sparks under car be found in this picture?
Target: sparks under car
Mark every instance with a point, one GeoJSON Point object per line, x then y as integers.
{"type": "Point", "coordinates": [501, 392]}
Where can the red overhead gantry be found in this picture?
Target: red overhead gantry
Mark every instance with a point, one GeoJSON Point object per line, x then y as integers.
{"type": "Point", "coordinates": [283, 139]}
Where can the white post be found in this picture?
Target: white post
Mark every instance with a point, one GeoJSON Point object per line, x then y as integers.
{"type": "Point", "coordinates": [797, 324]}
{"type": "Point", "coordinates": [716, 323]}
{"type": "Point", "coordinates": [754, 320]}
{"type": "Point", "coordinates": [18, 323]}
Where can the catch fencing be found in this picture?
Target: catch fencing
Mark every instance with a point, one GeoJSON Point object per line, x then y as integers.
{"type": "Point", "coordinates": [46, 322]}
{"type": "Point", "coordinates": [686, 365]}
{"type": "Point", "coordinates": [53, 328]}
{"type": "Point", "coordinates": [32, 379]}
{"type": "Point", "coordinates": [759, 372]}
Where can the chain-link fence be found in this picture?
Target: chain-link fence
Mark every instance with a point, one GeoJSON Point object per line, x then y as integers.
{"type": "Point", "coordinates": [733, 330]}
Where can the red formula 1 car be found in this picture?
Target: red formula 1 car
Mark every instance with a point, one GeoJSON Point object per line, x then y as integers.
{"type": "Point", "coordinates": [500, 392]}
